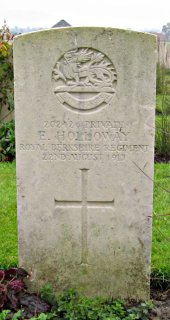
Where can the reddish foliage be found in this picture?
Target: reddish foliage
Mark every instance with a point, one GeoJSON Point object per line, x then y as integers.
{"type": "Point", "coordinates": [13, 293]}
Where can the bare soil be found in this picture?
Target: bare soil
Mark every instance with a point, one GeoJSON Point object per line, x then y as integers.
{"type": "Point", "coordinates": [161, 300]}
{"type": "Point", "coordinates": [161, 158]}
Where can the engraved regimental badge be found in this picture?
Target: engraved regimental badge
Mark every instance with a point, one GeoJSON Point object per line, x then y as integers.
{"type": "Point", "coordinates": [84, 79]}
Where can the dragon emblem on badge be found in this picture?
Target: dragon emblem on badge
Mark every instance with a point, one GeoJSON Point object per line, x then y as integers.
{"type": "Point", "coordinates": [84, 79]}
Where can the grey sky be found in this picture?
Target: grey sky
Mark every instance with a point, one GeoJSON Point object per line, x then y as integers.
{"type": "Point", "coordinates": [133, 14]}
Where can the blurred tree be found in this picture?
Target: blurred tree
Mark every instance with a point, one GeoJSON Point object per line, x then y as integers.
{"type": "Point", "coordinates": [6, 75]}
{"type": "Point", "coordinates": [166, 31]}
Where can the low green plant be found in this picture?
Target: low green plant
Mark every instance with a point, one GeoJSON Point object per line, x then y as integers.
{"type": "Point", "coordinates": [45, 316]}
{"type": "Point", "coordinates": [7, 141]}
{"type": "Point", "coordinates": [17, 315]}
{"type": "Point", "coordinates": [4, 314]}
{"type": "Point", "coordinates": [142, 311]}
{"type": "Point", "coordinates": [73, 306]}
{"type": "Point", "coordinates": [48, 294]}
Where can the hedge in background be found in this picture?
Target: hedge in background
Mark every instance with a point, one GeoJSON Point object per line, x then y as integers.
{"type": "Point", "coordinates": [7, 141]}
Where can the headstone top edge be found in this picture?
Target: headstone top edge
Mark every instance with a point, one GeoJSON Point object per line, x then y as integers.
{"type": "Point", "coordinates": [82, 28]}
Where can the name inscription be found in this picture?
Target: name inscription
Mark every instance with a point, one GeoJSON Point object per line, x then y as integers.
{"type": "Point", "coordinates": [86, 140]}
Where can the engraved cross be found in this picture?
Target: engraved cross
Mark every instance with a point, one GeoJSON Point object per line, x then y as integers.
{"type": "Point", "coordinates": [84, 204]}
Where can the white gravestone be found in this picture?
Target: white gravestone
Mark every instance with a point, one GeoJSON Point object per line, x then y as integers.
{"type": "Point", "coordinates": [85, 103]}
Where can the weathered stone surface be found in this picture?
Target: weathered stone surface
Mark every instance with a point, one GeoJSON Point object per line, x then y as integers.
{"type": "Point", "coordinates": [85, 101]}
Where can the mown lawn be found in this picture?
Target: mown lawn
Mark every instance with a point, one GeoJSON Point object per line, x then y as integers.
{"type": "Point", "coordinates": [8, 223]}
{"type": "Point", "coordinates": [161, 221]}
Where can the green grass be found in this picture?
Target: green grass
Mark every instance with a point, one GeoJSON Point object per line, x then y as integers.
{"type": "Point", "coordinates": [8, 223]}
{"type": "Point", "coordinates": [161, 220]}
{"type": "Point", "coordinates": [166, 90]}
{"type": "Point", "coordinates": [159, 101]}
{"type": "Point", "coordinates": [158, 123]}
{"type": "Point", "coordinates": [161, 224]}
{"type": "Point", "coordinates": [162, 136]}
